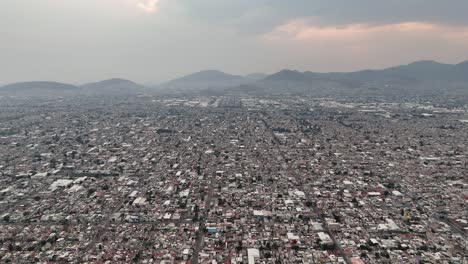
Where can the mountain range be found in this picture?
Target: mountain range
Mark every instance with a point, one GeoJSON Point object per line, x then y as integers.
{"type": "Point", "coordinates": [111, 87]}
{"type": "Point", "coordinates": [417, 78]}
{"type": "Point", "coordinates": [209, 79]}
{"type": "Point", "coordinates": [38, 88]}
{"type": "Point", "coordinates": [422, 77]}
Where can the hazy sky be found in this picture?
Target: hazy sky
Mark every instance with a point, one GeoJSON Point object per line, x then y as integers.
{"type": "Point", "coordinates": [150, 41]}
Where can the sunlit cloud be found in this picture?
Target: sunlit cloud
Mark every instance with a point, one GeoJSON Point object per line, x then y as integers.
{"type": "Point", "coordinates": [356, 45]}
{"type": "Point", "coordinates": [301, 30]}
{"type": "Point", "coordinates": [149, 6]}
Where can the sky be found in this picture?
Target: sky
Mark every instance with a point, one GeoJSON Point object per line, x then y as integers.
{"type": "Point", "coordinates": [152, 41]}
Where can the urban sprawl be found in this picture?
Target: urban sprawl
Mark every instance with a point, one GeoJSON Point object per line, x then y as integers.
{"type": "Point", "coordinates": [233, 179]}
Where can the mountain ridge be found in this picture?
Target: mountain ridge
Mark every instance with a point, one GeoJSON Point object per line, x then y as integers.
{"type": "Point", "coordinates": [420, 76]}
{"type": "Point", "coordinates": [38, 88]}
{"type": "Point", "coordinates": [114, 86]}
{"type": "Point", "coordinates": [424, 77]}
{"type": "Point", "coordinates": [207, 79]}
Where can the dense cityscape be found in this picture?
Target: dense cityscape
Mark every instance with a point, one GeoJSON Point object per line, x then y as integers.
{"type": "Point", "coordinates": [233, 132]}
{"type": "Point", "coordinates": [233, 179]}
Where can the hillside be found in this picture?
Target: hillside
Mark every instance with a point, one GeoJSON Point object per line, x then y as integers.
{"type": "Point", "coordinates": [422, 77]}
{"type": "Point", "coordinates": [38, 88]}
{"type": "Point", "coordinates": [209, 79]}
{"type": "Point", "coordinates": [112, 87]}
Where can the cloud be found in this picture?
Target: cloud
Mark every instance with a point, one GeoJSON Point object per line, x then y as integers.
{"type": "Point", "coordinates": [149, 6]}
{"type": "Point", "coordinates": [353, 46]}
{"type": "Point", "coordinates": [260, 16]}
{"type": "Point", "coordinates": [302, 30]}
{"type": "Point", "coordinates": [272, 34]}
{"type": "Point", "coordinates": [366, 37]}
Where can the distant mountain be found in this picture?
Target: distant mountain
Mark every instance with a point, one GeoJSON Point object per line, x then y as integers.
{"type": "Point", "coordinates": [112, 87]}
{"type": "Point", "coordinates": [287, 75]}
{"type": "Point", "coordinates": [462, 67]}
{"type": "Point", "coordinates": [421, 77]}
{"type": "Point", "coordinates": [209, 75]}
{"type": "Point", "coordinates": [210, 79]}
{"type": "Point", "coordinates": [417, 78]}
{"type": "Point", "coordinates": [256, 76]}
{"type": "Point", "coordinates": [38, 88]}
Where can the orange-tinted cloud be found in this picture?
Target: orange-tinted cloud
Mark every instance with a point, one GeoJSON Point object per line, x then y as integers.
{"type": "Point", "coordinates": [300, 30]}
{"type": "Point", "coordinates": [357, 46]}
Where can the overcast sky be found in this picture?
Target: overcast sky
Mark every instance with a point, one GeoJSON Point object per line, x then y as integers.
{"type": "Point", "coordinates": [151, 41]}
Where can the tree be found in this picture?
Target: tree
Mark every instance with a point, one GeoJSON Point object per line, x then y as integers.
{"type": "Point", "coordinates": [6, 218]}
